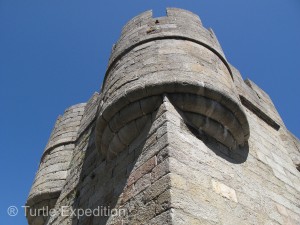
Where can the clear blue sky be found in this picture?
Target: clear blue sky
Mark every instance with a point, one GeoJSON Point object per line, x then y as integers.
{"type": "Point", "coordinates": [53, 54]}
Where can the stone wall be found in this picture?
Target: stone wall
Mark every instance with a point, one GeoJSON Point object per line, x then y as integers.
{"type": "Point", "coordinates": [176, 136]}
{"type": "Point", "coordinates": [55, 161]}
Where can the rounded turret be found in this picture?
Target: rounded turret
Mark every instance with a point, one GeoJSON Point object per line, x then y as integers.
{"type": "Point", "coordinates": [173, 55]}
{"type": "Point", "coordinates": [54, 164]}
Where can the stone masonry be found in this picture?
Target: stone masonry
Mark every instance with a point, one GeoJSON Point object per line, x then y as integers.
{"type": "Point", "coordinates": [175, 136]}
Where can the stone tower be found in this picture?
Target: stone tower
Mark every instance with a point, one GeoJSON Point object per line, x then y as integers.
{"type": "Point", "coordinates": [176, 136]}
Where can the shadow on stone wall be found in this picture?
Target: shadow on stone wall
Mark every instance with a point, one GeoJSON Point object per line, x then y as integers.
{"type": "Point", "coordinates": [102, 183]}
{"type": "Point", "coordinates": [236, 156]}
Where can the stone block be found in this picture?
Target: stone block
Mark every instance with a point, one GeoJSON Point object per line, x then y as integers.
{"type": "Point", "coordinates": [224, 190]}
{"type": "Point", "coordinates": [142, 170]}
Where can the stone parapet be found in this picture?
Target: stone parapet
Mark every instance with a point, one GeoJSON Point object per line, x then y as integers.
{"type": "Point", "coordinates": [55, 161]}
{"type": "Point", "coordinates": [156, 56]}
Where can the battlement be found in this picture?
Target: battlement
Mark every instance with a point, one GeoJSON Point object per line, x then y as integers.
{"type": "Point", "coordinates": [156, 56]}
{"type": "Point", "coordinates": [256, 100]}
{"type": "Point", "coordinates": [144, 28]}
{"type": "Point", "coordinates": [175, 137]}
{"type": "Point", "coordinates": [171, 14]}
{"type": "Point", "coordinates": [55, 160]}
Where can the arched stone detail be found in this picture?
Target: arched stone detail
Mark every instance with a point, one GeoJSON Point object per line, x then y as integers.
{"type": "Point", "coordinates": [157, 56]}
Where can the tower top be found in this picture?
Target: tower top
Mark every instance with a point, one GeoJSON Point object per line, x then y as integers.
{"type": "Point", "coordinates": [172, 55]}
{"type": "Point", "coordinates": [177, 24]}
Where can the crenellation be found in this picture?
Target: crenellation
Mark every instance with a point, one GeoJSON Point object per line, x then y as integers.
{"type": "Point", "coordinates": [154, 31]}
{"type": "Point", "coordinates": [182, 13]}
{"type": "Point", "coordinates": [257, 100]}
{"type": "Point", "coordinates": [175, 136]}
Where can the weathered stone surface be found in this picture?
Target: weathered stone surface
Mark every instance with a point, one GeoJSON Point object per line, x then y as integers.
{"type": "Point", "coordinates": [224, 190]}
{"type": "Point", "coordinates": [175, 137]}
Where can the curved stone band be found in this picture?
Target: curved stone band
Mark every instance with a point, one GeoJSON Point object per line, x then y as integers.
{"type": "Point", "coordinates": [148, 61]}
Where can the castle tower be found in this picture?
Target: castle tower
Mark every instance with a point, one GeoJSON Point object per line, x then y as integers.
{"type": "Point", "coordinates": [174, 137]}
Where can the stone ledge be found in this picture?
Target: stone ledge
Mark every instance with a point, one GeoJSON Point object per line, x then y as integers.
{"type": "Point", "coordinates": [248, 104]}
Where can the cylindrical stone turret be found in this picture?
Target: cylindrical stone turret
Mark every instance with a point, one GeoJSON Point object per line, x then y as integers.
{"type": "Point", "coordinates": [54, 164]}
{"type": "Point", "coordinates": [157, 56]}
